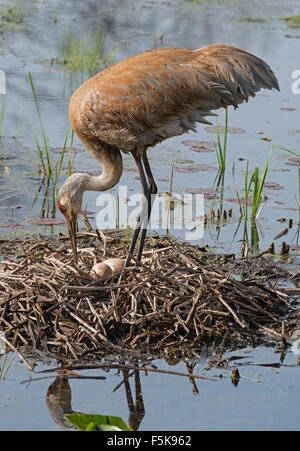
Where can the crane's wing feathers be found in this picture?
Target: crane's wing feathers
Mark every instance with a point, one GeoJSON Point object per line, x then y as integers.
{"type": "Point", "coordinates": [161, 93]}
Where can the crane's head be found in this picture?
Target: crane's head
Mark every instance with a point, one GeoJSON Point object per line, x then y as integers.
{"type": "Point", "coordinates": [69, 200]}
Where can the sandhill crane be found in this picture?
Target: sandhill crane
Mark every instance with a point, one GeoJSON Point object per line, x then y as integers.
{"type": "Point", "coordinates": [145, 99]}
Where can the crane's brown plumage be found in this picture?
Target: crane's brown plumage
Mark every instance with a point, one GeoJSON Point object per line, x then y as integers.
{"type": "Point", "coordinates": [150, 97]}
{"type": "Point", "coordinates": [160, 93]}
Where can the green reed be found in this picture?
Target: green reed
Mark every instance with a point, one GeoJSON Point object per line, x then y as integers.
{"type": "Point", "coordinates": [299, 196]}
{"type": "Point", "coordinates": [51, 172]}
{"type": "Point", "coordinates": [4, 368]}
{"type": "Point", "coordinates": [255, 182]}
{"type": "Point", "coordinates": [221, 149]}
{"type": "Point", "coordinates": [85, 52]}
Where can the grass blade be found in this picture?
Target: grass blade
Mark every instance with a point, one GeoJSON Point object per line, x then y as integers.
{"type": "Point", "coordinates": [40, 153]}
{"type": "Point", "coordinates": [58, 172]}
{"type": "Point", "coordinates": [70, 153]}
{"type": "Point", "coordinates": [49, 169]}
{"type": "Point", "coordinates": [299, 195]}
{"type": "Point", "coordinates": [258, 186]}
{"type": "Point", "coordinates": [221, 151]}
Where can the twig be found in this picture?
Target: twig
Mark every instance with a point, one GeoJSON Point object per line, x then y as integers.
{"type": "Point", "coordinates": [17, 352]}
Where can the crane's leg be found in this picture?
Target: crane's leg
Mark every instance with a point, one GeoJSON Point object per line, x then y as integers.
{"type": "Point", "coordinates": [153, 191]}
{"type": "Point", "coordinates": [143, 214]}
{"type": "Point", "coordinates": [146, 206]}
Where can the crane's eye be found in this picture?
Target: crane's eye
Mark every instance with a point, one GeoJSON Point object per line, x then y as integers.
{"type": "Point", "coordinates": [61, 207]}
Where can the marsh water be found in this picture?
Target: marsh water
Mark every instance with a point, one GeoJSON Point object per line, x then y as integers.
{"type": "Point", "coordinates": [267, 397]}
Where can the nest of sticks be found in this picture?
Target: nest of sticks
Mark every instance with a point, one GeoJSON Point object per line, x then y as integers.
{"type": "Point", "coordinates": [178, 296]}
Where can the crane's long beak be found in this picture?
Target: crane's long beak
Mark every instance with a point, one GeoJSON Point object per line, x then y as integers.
{"type": "Point", "coordinates": [72, 225]}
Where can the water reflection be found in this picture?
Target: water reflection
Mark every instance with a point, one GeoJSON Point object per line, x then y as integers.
{"type": "Point", "coordinates": [234, 366]}
{"type": "Point", "coordinates": [59, 393]}
{"type": "Point", "coordinates": [59, 397]}
{"type": "Point", "coordinates": [58, 401]}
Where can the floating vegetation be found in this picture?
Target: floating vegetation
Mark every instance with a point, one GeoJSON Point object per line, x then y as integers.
{"type": "Point", "coordinates": [178, 296]}
{"type": "Point", "coordinates": [192, 168]}
{"type": "Point", "coordinates": [198, 2]}
{"type": "Point", "coordinates": [293, 21]}
{"type": "Point", "coordinates": [46, 221]}
{"type": "Point", "coordinates": [12, 13]}
{"type": "Point", "coordinates": [251, 19]}
{"type": "Point", "coordinates": [220, 129]}
{"type": "Point", "coordinates": [201, 146]}
{"type": "Point", "coordinates": [95, 422]}
{"type": "Point", "coordinates": [274, 186]}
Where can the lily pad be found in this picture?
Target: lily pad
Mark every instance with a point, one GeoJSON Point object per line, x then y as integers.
{"type": "Point", "coordinates": [208, 193]}
{"type": "Point", "coordinates": [129, 170]}
{"type": "Point", "coordinates": [236, 201]}
{"type": "Point", "coordinates": [293, 161]}
{"type": "Point", "coordinates": [12, 225]}
{"type": "Point", "coordinates": [201, 190]}
{"type": "Point", "coordinates": [85, 422]}
{"type": "Point", "coordinates": [46, 221]}
{"type": "Point", "coordinates": [294, 247]}
{"type": "Point", "coordinates": [182, 161]}
{"type": "Point", "coordinates": [276, 202]}
{"type": "Point", "coordinates": [67, 150]}
{"type": "Point", "coordinates": [196, 167]}
{"type": "Point", "coordinates": [273, 185]}
{"type": "Point", "coordinates": [292, 36]}
{"type": "Point", "coordinates": [202, 149]}
{"type": "Point", "coordinates": [189, 143]}
{"type": "Point", "coordinates": [233, 130]}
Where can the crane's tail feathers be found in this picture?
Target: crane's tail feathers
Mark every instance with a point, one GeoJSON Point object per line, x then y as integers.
{"type": "Point", "coordinates": [235, 75]}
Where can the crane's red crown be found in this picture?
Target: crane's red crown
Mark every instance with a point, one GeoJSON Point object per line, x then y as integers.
{"type": "Point", "coordinates": [61, 208]}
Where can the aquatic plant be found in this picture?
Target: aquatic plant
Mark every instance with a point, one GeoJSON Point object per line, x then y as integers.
{"type": "Point", "coordinates": [12, 13]}
{"type": "Point", "coordinates": [258, 181]}
{"type": "Point", "coordinates": [95, 422]}
{"type": "Point", "coordinates": [290, 151]}
{"type": "Point", "coordinates": [4, 368]}
{"type": "Point", "coordinates": [255, 183]}
{"type": "Point", "coordinates": [85, 52]}
{"type": "Point", "coordinates": [299, 196]}
{"type": "Point", "coordinates": [51, 173]}
{"type": "Point", "coordinates": [2, 113]}
{"type": "Point", "coordinates": [293, 21]}
{"type": "Point", "coordinates": [199, 2]}
{"type": "Point", "coordinates": [251, 19]}
{"type": "Point", "coordinates": [221, 150]}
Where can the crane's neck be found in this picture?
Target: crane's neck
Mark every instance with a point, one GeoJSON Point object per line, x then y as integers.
{"type": "Point", "coordinates": [111, 163]}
